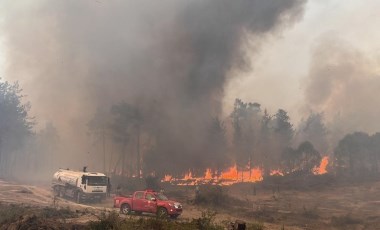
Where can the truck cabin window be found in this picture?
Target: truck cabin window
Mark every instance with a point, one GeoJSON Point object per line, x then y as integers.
{"type": "Point", "coordinates": [161, 196]}
{"type": "Point", "coordinates": [95, 180]}
{"type": "Point", "coordinates": [149, 196]}
{"type": "Point", "coordinates": [139, 195]}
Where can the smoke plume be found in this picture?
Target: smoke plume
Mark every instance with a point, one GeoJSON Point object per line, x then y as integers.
{"type": "Point", "coordinates": [343, 84]}
{"type": "Point", "coordinates": [170, 58]}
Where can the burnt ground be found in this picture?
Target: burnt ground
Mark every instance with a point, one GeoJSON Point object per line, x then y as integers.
{"type": "Point", "coordinates": [322, 205]}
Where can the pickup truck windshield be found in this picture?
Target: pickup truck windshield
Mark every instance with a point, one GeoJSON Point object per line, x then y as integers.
{"type": "Point", "coordinates": [161, 196]}
{"type": "Point", "coordinates": [97, 180]}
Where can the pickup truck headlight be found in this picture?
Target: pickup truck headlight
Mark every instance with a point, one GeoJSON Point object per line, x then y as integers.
{"type": "Point", "coordinates": [177, 205]}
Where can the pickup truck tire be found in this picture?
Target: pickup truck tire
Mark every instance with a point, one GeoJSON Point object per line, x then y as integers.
{"type": "Point", "coordinates": [162, 212]}
{"type": "Point", "coordinates": [125, 209]}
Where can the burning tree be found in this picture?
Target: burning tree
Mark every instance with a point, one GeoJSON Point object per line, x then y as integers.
{"type": "Point", "coordinates": [246, 123]}
{"type": "Point", "coordinates": [303, 159]}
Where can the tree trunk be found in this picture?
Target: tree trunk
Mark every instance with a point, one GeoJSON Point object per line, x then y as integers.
{"type": "Point", "coordinates": [104, 149]}
{"type": "Point", "coordinates": [123, 160]}
{"type": "Point", "coordinates": [138, 158]}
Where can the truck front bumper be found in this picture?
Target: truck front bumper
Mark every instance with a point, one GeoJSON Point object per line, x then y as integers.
{"type": "Point", "coordinates": [93, 196]}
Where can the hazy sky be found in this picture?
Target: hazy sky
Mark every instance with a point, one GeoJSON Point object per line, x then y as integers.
{"type": "Point", "coordinates": [277, 78]}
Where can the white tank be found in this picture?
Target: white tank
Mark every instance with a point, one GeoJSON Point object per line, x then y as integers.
{"type": "Point", "coordinates": [64, 176]}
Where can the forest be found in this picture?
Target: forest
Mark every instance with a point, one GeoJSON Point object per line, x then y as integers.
{"type": "Point", "coordinates": [138, 141]}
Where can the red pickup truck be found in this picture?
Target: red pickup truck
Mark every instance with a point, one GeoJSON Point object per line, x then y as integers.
{"type": "Point", "coordinates": [148, 201]}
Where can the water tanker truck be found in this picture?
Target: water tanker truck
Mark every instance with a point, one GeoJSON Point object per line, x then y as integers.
{"type": "Point", "coordinates": [80, 185]}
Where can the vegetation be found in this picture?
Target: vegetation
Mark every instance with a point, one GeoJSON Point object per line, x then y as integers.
{"type": "Point", "coordinates": [358, 154]}
{"type": "Point", "coordinates": [15, 125]}
{"type": "Point", "coordinates": [113, 221]}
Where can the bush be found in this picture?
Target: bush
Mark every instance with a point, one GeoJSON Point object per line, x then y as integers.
{"type": "Point", "coordinates": [11, 213]}
{"type": "Point", "coordinates": [214, 196]}
{"type": "Point", "coordinates": [114, 222]}
{"type": "Point", "coordinates": [63, 213]}
{"type": "Point", "coordinates": [345, 220]}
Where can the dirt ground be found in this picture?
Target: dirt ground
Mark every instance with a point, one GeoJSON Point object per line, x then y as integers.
{"type": "Point", "coordinates": [328, 207]}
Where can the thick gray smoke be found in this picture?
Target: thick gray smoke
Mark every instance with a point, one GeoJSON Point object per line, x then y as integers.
{"type": "Point", "coordinates": [169, 58]}
{"type": "Point", "coordinates": [343, 84]}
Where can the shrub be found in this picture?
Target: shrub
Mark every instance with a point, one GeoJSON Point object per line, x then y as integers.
{"type": "Point", "coordinates": [344, 220]}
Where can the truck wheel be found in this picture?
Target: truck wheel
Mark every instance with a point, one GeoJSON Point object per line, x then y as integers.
{"type": "Point", "coordinates": [125, 209]}
{"type": "Point", "coordinates": [162, 213]}
{"type": "Point", "coordinates": [78, 198]}
{"type": "Point", "coordinates": [56, 192]}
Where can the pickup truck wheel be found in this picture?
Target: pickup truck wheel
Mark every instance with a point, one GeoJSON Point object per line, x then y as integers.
{"type": "Point", "coordinates": [162, 213]}
{"type": "Point", "coordinates": [125, 209]}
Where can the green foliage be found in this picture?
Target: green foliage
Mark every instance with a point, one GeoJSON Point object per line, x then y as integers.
{"type": "Point", "coordinates": [10, 213]}
{"type": "Point", "coordinates": [15, 123]}
{"type": "Point", "coordinates": [342, 221]}
{"type": "Point", "coordinates": [152, 182]}
{"type": "Point", "coordinates": [246, 118]}
{"type": "Point", "coordinates": [126, 123]}
{"type": "Point", "coordinates": [358, 154]}
{"type": "Point", "coordinates": [63, 213]}
{"type": "Point", "coordinates": [212, 196]}
{"type": "Point", "coordinates": [215, 196]}
{"type": "Point", "coordinates": [282, 127]}
{"type": "Point", "coordinates": [206, 221]}
{"type": "Point", "coordinates": [217, 146]}
{"type": "Point", "coordinates": [303, 159]}
{"type": "Point", "coordinates": [108, 221]}
{"type": "Point", "coordinates": [114, 222]}
{"type": "Point", "coordinates": [14, 212]}
{"type": "Point", "coordinates": [255, 226]}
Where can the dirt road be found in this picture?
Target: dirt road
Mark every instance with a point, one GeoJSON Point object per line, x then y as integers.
{"type": "Point", "coordinates": [332, 207]}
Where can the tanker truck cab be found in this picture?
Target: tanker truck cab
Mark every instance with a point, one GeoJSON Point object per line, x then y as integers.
{"type": "Point", "coordinates": [93, 183]}
{"type": "Point", "coordinates": [93, 186]}
{"type": "Point", "coordinates": [80, 186]}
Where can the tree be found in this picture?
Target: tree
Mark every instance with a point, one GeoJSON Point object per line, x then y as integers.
{"type": "Point", "coordinates": [127, 122]}
{"type": "Point", "coordinates": [353, 154]}
{"type": "Point", "coordinates": [217, 145]}
{"type": "Point", "coordinates": [97, 127]}
{"type": "Point", "coordinates": [304, 159]}
{"type": "Point", "coordinates": [314, 130]}
{"type": "Point", "coordinates": [282, 127]}
{"type": "Point", "coordinates": [282, 135]}
{"type": "Point", "coordinates": [375, 153]}
{"type": "Point", "coordinates": [246, 119]}
{"type": "Point", "coordinates": [265, 142]}
{"type": "Point", "coordinates": [15, 124]}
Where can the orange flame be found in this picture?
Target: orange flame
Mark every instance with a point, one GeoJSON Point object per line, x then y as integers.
{"type": "Point", "coordinates": [167, 178]}
{"type": "Point", "coordinates": [228, 177]}
{"type": "Point", "coordinates": [322, 167]}
{"type": "Point", "coordinates": [276, 172]}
